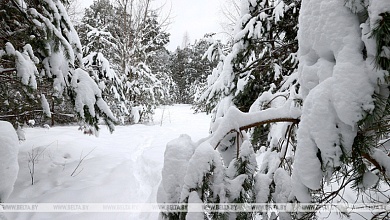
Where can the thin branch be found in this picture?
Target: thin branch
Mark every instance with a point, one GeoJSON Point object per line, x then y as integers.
{"type": "Point", "coordinates": [293, 120]}
{"type": "Point", "coordinates": [219, 142]}
{"type": "Point", "coordinates": [8, 70]}
{"type": "Point", "coordinates": [80, 161]}
{"type": "Point", "coordinates": [269, 121]}
{"type": "Point", "coordinates": [375, 163]}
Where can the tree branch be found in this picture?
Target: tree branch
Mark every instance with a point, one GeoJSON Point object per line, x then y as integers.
{"type": "Point", "coordinates": [375, 163]}
{"type": "Point", "coordinates": [7, 70]}
{"type": "Point", "coordinates": [255, 124]}
{"type": "Point", "coordinates": [293, 120]}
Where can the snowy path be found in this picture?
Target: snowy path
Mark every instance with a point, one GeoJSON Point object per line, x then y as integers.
{"type": "Point", "coordinates": [123, 167]}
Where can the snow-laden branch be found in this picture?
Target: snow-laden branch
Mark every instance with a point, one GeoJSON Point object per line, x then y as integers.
{"type": "Point", "coordinates": [7, 70]}
{"type": "Point", "coordinates": [235, 120]}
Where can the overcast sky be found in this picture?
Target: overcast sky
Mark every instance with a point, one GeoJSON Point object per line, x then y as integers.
{"type": "Point", "coordinates": [197, 17]}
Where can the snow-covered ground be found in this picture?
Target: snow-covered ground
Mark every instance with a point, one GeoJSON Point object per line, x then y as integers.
{"type": "Point", "coordinates": [123, 167]}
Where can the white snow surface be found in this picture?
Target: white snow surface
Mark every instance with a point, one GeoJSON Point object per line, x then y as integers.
{"type": "Point", "coordinates": [9, 148]}
{"type": "Point", "coordinates": [123, 167]}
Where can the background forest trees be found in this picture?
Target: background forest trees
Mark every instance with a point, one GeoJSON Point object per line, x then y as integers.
{"type": "Point", "coordinates": [121, 45]}
{"type": "Point", "coordinates": [189, 69]}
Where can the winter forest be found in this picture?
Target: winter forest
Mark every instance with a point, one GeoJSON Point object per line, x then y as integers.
{"type": "Point", "coordinates": [290, 107]}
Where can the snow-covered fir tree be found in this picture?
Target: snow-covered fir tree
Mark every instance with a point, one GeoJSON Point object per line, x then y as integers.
{"type": "Point", "coordinates": [127, 35]}
{"type": "Point", "coordinates": [100, 54]}
{"type": "Point", "coordinates": [145, 87]}
{"type": "Point", "coordinates": [263, 52]}
{"type": "Point", "coordinates": [328, 118]}
{"type": "Point", "coordinates": [189, 70]}
{"type": "Point", "coordinates": [41, 67]}
{"type": "Point", "coordinates": [159, 62]}
{"type": "Point", "coordinates": [41, 60]}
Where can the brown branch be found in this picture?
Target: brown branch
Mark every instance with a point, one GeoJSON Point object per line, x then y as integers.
{"type": "Point", "coordinates": [245, 127]}
{"type": "Point", "coordinates": [238, 144]}
{"type": "Point", "coordinates": [219, 142]}
{"type": "Point", "coordinates": [269, 102]}
{"type": "Point", "coordinates": [288, 134]}
{"type": "Point", "coordinates": [375, 163]}
{"type": "Point", "coordinates": [274, 120]}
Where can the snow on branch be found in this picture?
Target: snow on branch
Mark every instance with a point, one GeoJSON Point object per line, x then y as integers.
{"type": "Point", "coordinates": [235, 120]}
{"type": "Point", "coordinates": [88, 94]}
{"type": "Point", "coordinates": [380, 160]}
{"type": "Point", "coordinates": [25, 64]}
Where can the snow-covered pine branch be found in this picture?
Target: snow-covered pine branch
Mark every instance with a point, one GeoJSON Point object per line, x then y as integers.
{"type": "Point", "coordinates": [235, 120]}
{"type": "Point", "coordinates": [339, 95]}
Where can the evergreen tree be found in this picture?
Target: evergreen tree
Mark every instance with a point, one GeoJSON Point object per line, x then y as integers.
{"type": "Point", "coordinates": [120, 46]}
{"type": "Point", "coordinates": [145, 88]}
{"type": "Point", "coordinates": [179, 63]}
{"type": "Point", "coordinates": [159, 62]}
{"type": "Point", "coordinates": [41, 55]}
{"type": "Point", "coordinates": [190, 70]}
{"type": "Point", "coordinates": [262, 55]}
{"type": "Point", "coordinates": [328, 121]}
{"type": "Point", "coordinates": [99, 51]}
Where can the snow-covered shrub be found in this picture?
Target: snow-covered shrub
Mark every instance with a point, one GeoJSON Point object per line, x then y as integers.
{"type": "Point", "coordinates": [9, 167]}
{"type": "Point", "coordinates": [241, 173]}
{"type": "Point", "coordinates": [176, 159]}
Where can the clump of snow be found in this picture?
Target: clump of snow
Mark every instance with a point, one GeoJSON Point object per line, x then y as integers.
{"type": "Point", "coordinates": [235, 186]}
{"type": "Point", "coordinates": [193, 204]}
{"type": "Point", "coordinates": [45, 106]}
{"type": "Point", "coordinates": [283, 186]}
{"type": "Point", "coordinates": [136, 113]}
{"type": "Point", "coordinates": [270, 163]}
{"type": "Point", "coordinates": [383, 159]}
{"type": "Point", "coordinates": [335, 87]}
{"type": "Point", "coordinates": [31, 122]}
{"type": "Point", "coordinates": [25, 64]}
{"type": "Point", "coordinates": [262, 183]}
{"type": "Point", "coordinates": [21, 133]}
{"type": "Point", "coordinates": [176, 159]}
{"type": "Point", "coordinates": [301, 192]}
{"type": "Point", "coordinates": [279, 10]}
{"type": "Point", "coordinates": [246, 158]}
{"type": "Point", "coordinates": [57, 66]}
{"type": "Point", "coordinates": [9, 148]}
{"type": "Point", "coordinates": [376, 8]}
{"type": "Point", "coordinates": [88, 94]}
{"type": "Point", "coordinates": [204, 160]}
